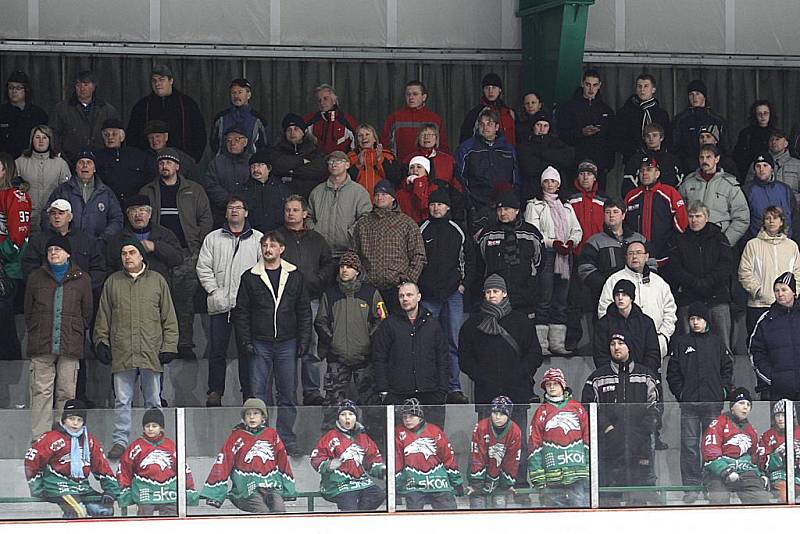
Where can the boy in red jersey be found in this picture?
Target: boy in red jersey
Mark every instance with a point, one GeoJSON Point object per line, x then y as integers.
{"type": "Point", "coordinates": [773, 452]}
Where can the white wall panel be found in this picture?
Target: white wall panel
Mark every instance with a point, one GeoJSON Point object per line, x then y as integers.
{"type": "Point", "coordinates": [94, 20]}
{"type": "Point", "coordinates": [212, 21]}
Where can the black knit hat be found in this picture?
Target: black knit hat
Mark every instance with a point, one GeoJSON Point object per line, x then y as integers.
{"type": "Point", "coordinates": [764, 157]}
{"type": "Point", "coordinates": [133, 242]}
{"type": "Point", "coordinates": [240, 82]}
{"type": "Point", "coordinates": [697, 85]}
{"type": "Point", "coordinates": [739, 394]}
{"type": "Point", "coordinates": [61, 242]}
{"type": "Point", "coordinates": [86, 153]}
{"type": "Point", "coordinates": [788, 279]}
{"type": "Point", "coordinates": [347, 406]}
{"type": "Point", "coordinates": [618, 336]}
{"type": "Point", "coordinates": [153, 415]}
{"type": "Point", "coordinates": [698, 309]}
{"type": "Point", "coordinates": [262, 156]}
{"type": "Point", "coordinates": [507, 199]}
{"type": "Point", "coordinates": [385, 186]}
{"type": "Point", "coordinates": [170, 154]}
{"type": "Point", "coordinates": [625, 286]}
{"type": "Point", "coordinates": [542, 116]}
{"type": "Point", "coordinates": [293, 119]}
{"type": "Point", "coordinates": [440, 196]}
{"type": "Point", "coordinates": [492, 79]}
{"type": "Point", "coordinates": [502, 404]}
{"type": "Point", "coordinates": [74, 407]}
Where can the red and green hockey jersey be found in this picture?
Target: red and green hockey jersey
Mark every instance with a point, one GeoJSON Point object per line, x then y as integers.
{"type": "Point", "coordinates": [360, 459]}
{"type": "Point", "coordinates": [15, 227]}
{"type": "Point", "coordinates": [559, 443]}
{"type": "Point", "coordinates": [424, 460]}
{"type": "Point", "coordinates": [47, 467]}
{"type": "Point", "coordinates": [495, 456]}
{"type": "Point", "coordinates": [772, 454]}
{"type": "Point", "coordinates": [728, 443]}
{"type": "Point", "coordinates": [252, 459]}
{"type": "Point", "coordinates": [148, 474]}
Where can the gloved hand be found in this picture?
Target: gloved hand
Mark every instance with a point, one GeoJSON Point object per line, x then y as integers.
{"type": "Point", "coordinates": [470, 490]}
{"type": "Point", "coordinates": [334, 464]}
{"type": "Point", "coordinates": [379, 472]}
{"type": "Point", "coordinates": [249, 349]}
{"type": "Point", "coordinates": [781, 450]}
{"type": "Point", "coordinates": [215, 504]}
{"type": "Point", "coordinates": [411, 178]}
{"type": "Point", "coordinates": [103, 353]}
{"type": "Point", "coordinates": [107, 499]}
{"type": "Point", "coordinates": [561, 248]}
{"type": "Point", "coordinates": [765, 482]}
{"type": "Point", "coordinates": [459, 490]}
{"type": "Point", "coordinates": [166, 357]}
{"type": "Point", "coordinates": [729, 474]}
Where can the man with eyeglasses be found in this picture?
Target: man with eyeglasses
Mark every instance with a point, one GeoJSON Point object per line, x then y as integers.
{"type": "Point", "coordinates": [227, 173]}
{"type": "Point", "coordinates": [18, 115]}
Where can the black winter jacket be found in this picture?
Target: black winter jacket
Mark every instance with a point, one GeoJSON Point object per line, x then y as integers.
{"type": "Point", "coordinates": [87, 253]}
{"type": "Point", "coordinates": [685, 126]}
{"type": "Point", "coordinates": [125, 170]}
{"type": "Point", "coordinates": [578, 113]}
{"type": "Point", "coordinates": [640, 336]}
{"type": "Point", "coordinates": [668, 165]}
{"type": "Point", "coordinates": [629, 125]}
{"type": "Point", "coordinates": [535, 154]}
{"type": "Point", "coordinates": [450, 254]}
{"type": "Point", "coordinates": [775, 351]}
{"type": "Point", "coordinates": [16, 125]}
{"type": "Point", "coordinates": [288, 165]}
{"type": "Point", "coordinates": [187, 129]}
{"type": "Point", "coordinates": [699, 267]}
{"type": "Point", "coordinates": [603, 255]}
{"type": "Point", "coordinates": [265, 203]}
{"type": "Point", "coordinates": [700, 368]}
{"type": "Point", "coordinates": [311, 254]}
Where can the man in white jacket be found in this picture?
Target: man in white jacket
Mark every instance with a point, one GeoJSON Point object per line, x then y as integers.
{"type": "Point", "coordinates": [226, 254]}
{"type": "Point", "coordinates": [653, 294]}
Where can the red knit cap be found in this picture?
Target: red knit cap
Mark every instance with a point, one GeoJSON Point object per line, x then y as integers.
{"type": "Point", "coordinates": [556, 375]}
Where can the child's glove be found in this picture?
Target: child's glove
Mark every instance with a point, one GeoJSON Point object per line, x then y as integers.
{"type": "Point", "coordinates": [730, 475]}
{"type": "Point", "coordinates": [103, 354]}
{"type": "Point", "coordinates": [765, 482]}
{"type": "Point", "coordinates": [215, 504]}
{"type": "Point", "coordinates": [165, 357]}
{"type": "Point", "coordinates": [334, 464]}
{"type": "Point", "coordinates": [459, 490]}
{"type": "Point", "coordinates": [107, 499]}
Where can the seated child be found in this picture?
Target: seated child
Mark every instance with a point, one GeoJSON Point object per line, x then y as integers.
{"type": "Point", "coordinates": [773, 452]}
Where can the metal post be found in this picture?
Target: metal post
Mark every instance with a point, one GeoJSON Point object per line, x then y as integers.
{"type": "Point", "coordinates": [594, 457]}
{"type": "Point", "coordinates": [790, 437]}
{"type": "Point", "coordinates": [391, 492]}
{"type": "Point", "coordinates": [180, 435]}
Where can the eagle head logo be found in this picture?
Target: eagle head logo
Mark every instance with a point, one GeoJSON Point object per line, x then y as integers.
{"type": "Point", "coordinates": [566, 421]}
{"type": "Point", "coordinates": [162, 459]}
{"type": "Point", "coordinates": [424, 446]}
{"type": "Point", "coordinates": [742, 441]}
{"type": "Point", "coordinates": [260, 449]}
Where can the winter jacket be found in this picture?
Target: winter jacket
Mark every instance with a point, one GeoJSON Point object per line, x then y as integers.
{"type": "Point", "coordinates": [602, 255]}
{"type": "Point", "coordinates": [74, 127]}
{"type": "Point", "coordinates": [668, 166]}
{"type": "Point", "coordinates": [136, 320]}
{"type": "Point", "coordinates": [482, 167]}
{"type": "Point", "coordinates": [653, 295]}
{"type": "Point", "coordinates": [700, 267]}
{"type": "Point", "coordinates": [729, 445]}
{"type": "Point", "coordinates": [43, 175]}
{"type": "Point", "coordinates": [402, 126]}
{"type": "Point", "coordinates": [772, 457]}
{"type": "Point", "coordinates": [349, 313]}
{"type": "Point", "coordinates": [700, 368]}
{"type": "Point", "coordinates": [390, 246]}
{"type": "Point", "coordinates": [368, 167]}
{"type": "Point", "coordinates": [786, 170]}
{"type": "Point", "coordinates": [589, 209]}
{"type": "Point", "coordinates": [87, 253]}
{"type": "Point", "coordinates": [775, 350]}
{"type": "Point", "coordinates": [753, 139]}
{"type": "Point", "coordinates": [359, 455]}
{"type": "Point", "coordinates": [246, 119]}
{"type": "Point", "coordinates": [334, 129]}
{"type": "Point", "coordinates": [166, 255]}
{"type": "Point", "coordinates": [761, 195]}
{"type": "Point", "coordinates": [424, 461]}
{"type": "Point", "coordinates": [630, 122]}
{"type": "Point", "coordinates": [187, 129]}
{"type": "Point", "coordinates": [442, 163]}
{"type": "Point", "coordinates": [194, 211]}
{"type": "Point", "coordinates": [535, 154]}
{"type": "Point", "coordinates": [685, 128]}
{"type": "Point", "coordinates": [57, 314]}
{"type": "Point", "coordinates": [335, 211]}
{"type": "Point", "coordinates": [16, 125]}
{"type": "Point", "coordinates": [579, 113]}
{"type": "Point", "coordinates": [763, 260]}
{"type": "Point", "coordinates": [519, 266]}
{"type": "Point", "coordinates": [725, 201]}
{"type": "Point", "coordinates": [493, 363]}
{"type": "Point", "coordinates": [311, 254]}
{"type": "Point", "coordinates": [223, 258]}
{"type": "Point", "coordinates": [125, 170]}
{"type": "Point", "coordinates": [659, 214]}
{"type": "Point", "coordinates": [411, 357]}
{"type": "Point", "coordinates": [289, 165]}
{"type": "Point", "coordinates": [265, 313]}
{"type": "Point", "coordinates": [265, 203]}
{"type": "Point", "coordinates": [494, 457]}
{"type": "Point", "coordinates": [450, 255]}
{"type": "Point", "coordinates": [538, 213]}
{"type": "Point", "coordinates": [15, 227]}
{"type": "Point", "coordinates": [469, 127]}
{"type": "Point", "coordinates": [225, 176]}
{"type": "Point", "coordinates": [640, 336]}
{"type": "Point", "coordinates": [101, 217]}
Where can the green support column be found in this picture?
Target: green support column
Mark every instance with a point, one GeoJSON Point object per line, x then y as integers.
{"type": "Point", "coordinates": [553, 38]}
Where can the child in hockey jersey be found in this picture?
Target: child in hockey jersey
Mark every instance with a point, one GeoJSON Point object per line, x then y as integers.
{"type": "Point", "coordinates": [559, 445]}
{"type": "Point", "coordinates": [147, 473]}
{"type": "Point", "coordinates": [773, 452]}
{"type": "Point", "coordinates": [496, 443]}
{"type": "Point", "coordinates": [426, 471]}
{"type": "Point", "coordinates": [58, 465]}
{"type": "Point", "coordinates": [730, 453]}
{"type": "Point", "coordinates": [255, 460]}
{"type": "Point", "coordinates": [345, 457]}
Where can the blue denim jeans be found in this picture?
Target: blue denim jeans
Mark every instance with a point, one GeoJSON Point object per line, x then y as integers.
{"type": "Point", "coordinates": [124, 383]}
{"type": "Point", "coordinates": [451, 316]}
{"type": "Point", "coordinates": [281, 359]}
{"type": "Point", "coordinates": [551, 307]}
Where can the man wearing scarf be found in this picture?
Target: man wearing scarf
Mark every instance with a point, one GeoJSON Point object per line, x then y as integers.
{"type": "Point", "coordinates": [640, 110]}
{"type": "Point", "coordinates": [492, 88]}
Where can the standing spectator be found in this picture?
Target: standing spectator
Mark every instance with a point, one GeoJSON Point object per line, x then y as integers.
{"type": "Point", "coordinates": [334, 129]}
{"type": "Point", "coordinates": [370, 162]}
{"type": "Point", "coordinates": [227, 173]}
{"type": "Point", "coordinates": [58, 311]}
{"type": "Point", "coordinates": [225, 255]}
{"type": "Point", "coordinates": [311, 254]}
{"type": "Point", "coordinates": [336, 204]}
{"type": "Point", "coordinates": [765, 191]}
{"type": "Point", "coordinates": [787, 168]}
{"type": "Point", "coordinates": [442, 163]}
{"type": "Point", "coordinates": [560, 229]}
{"type": "Point", "coordinates": [78, 120]}
{"type": "Point", "coordinates": [699, 374]}
{"type": "Point", "coordinates": [709, 135]}
{"type": "Point", "coordinates": [754, 138]}
{"type": "Point", "coordinates": [765, 257]}
{"type": "Point", "coordinates": [641, 109]}
{"type": "Point", "coordinates": [409, 352]}
{"type": "Point", "coordinates": [136, 331]}
{"type": "Point", "coordinates": [720, 192]}
{"type": "Point", "coordinates": [653, 147]}
{"type": "Point", "coordinates": [157, 134]}
{"type": "Point", "coordinates": [400, 129]}
{"type": "Point", "coordinates": [773, 350]}
{"type": "Point", "coordinates": [627, 418]}
{"type": "Point", "coordinates": [95, 208]}
{"type": "Point", "coordinates": [181, 206]}
{"type": "Point", "coordinates": [422, 181]}
{"type": "Point", "coordinates": [587, 123]}
{"type": "Point", "coordinates": [18, 114]}
{"type": "Point", "coordinates": [730, 448]}
{"type": "Point", "coordinates": [264, 193]}
{"type": "Point", "coordinates": [540, 149]}
{"type": "Point", "coordinates": [485, 164]}
{"type": "Point", "coordinates": [449, 270]}
{"type": "Point", "coordinates": [532, 104]}
{"type": "Point", "coordinates": [296, 159]}
{"type": "Point", "coordinates": [43, 169]}
{"type": "Point", "coordinates": [686, 124]}
{"type": "Point", "coordinates": [512, 248]}
{"type": "Point", "coordinates": [390, 245]}
{"type": "Point", "coordinates": [655, 210]}
{"type": "Point", "coordinates": [492, 89]}
{"type": "Point", "coordinates": [124, 169]}
{"type": "Point", "coordinates": [242, 116]}
{"type": "Point", "coordinates": [272, 320]}
{"type": "Point", "coordinates": [187, 129]}
{"type": "Point", "coordinates": [773, 451]}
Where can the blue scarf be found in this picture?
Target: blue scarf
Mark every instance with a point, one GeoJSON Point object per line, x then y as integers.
{"type": "Point", "coordinates": [59, 271]}
{"type": "Point", "coordinates": [78, 456]}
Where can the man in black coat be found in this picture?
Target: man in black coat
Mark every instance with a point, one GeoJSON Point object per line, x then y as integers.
{"type": "Point", "coordinates": [686, 126]}
{"type": "Point", "coordinates": [125, 169]}
{"type": "Point", "coordinates": [18, 115]}
{"type": "Point", "coordinates": [539, 149]}
{"type": "Point", "coordinates": [641, 109]}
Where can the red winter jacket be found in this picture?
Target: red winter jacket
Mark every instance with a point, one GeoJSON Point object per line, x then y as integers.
{"type": "Point", "coordinates": [659, 214]}
{"type": "Point", "coordinates": [401, 127]}
{"type": "Point", "coordinates": [589, 211]}
{"type": "Point", "coordinates": [334, 130]}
